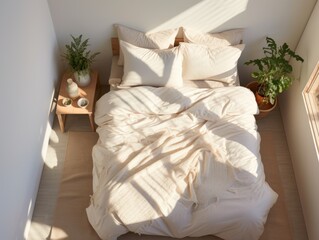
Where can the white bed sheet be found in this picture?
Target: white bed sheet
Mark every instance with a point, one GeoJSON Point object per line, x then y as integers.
{"type": "Point", "coordinates": [178, 163]}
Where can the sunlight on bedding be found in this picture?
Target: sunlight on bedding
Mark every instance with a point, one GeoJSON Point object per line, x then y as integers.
{"type": "Point", "coordinates": [160, 149]}
{"type": "Point", "coordinates": [206, 15]}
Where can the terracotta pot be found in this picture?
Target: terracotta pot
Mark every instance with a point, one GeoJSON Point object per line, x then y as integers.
{"type": "Point", "coordinates": [263, 103]}
{"type": "Point", "coordinates": [264, 106]}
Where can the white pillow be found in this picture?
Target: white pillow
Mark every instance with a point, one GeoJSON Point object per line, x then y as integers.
{"type": "Point", "coordinates": [157, 40]}
{"type": "Point", "coordinates": [203, 62]}
{"type": "Point", "coordinates": [226, 38]}
{"type": "Point", "coordinates": [151, 67]}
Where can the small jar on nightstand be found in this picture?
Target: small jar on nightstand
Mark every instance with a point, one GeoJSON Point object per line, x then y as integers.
{"type": "Point", "coordinates": [72, 89]}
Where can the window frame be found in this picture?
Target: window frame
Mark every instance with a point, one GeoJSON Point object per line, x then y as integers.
{"type": "Point", "coordinates": [311, 99]}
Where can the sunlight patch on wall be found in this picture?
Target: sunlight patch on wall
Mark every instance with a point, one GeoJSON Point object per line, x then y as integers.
{"type": "Point", "coordinates": [206, 15]}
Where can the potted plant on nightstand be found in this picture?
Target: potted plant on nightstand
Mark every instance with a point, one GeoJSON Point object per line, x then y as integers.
{"type": "Point", "coordinates": [79, 59]}
{"type": "Point", "coordinates": [272, 76]}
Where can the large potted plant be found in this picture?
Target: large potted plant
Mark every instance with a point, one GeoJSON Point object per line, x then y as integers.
{"type": "Point", "coordinates": [273, 74]}
{"type": "Point", "coordinates": [79, 59]}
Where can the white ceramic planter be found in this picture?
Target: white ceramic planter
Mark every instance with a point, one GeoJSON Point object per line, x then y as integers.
{"type": "Point", "coordinates": [82, 78]}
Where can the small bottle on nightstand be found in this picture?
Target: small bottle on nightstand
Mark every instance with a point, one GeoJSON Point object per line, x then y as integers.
{"type": "Point", "coordinates": [72, 88]}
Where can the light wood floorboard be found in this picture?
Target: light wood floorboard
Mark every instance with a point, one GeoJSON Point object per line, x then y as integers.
{"type": "Point", "coordinates": [49, 186]}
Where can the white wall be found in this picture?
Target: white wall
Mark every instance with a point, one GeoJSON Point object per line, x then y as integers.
{"type": "Point", "coordinates": [28, 63]}
{"type": "Point", "coordinates": [301, 144]}
{"type": "Point", "coordinates": [284, 20]}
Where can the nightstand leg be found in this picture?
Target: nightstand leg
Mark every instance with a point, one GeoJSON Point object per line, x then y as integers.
{"type": "Point", "coordinates": [91, 116]}
{"type": "Point", "coordinates": [61, 122]}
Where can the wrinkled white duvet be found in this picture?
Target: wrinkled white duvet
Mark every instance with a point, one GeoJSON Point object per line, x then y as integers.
{"type": "Point", "coordinates": [178, 163]}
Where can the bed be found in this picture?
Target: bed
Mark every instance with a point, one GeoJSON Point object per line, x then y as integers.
{"type": "Point", "coordinates": [178, 149]}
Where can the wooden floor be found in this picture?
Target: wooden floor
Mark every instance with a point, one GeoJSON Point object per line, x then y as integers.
{"type": "Point", "coordinates": [49, 186]}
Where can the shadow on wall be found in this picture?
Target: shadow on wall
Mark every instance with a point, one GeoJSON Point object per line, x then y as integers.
{"type": "Point", "coordinates": [206, 15]}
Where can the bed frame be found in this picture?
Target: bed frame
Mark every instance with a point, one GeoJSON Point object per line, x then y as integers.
{"type": "Point", "coordinates": [116, 45]}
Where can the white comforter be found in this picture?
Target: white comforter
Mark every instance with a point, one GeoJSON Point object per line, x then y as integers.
{"type": "Point", "coordinates": [178, 163]}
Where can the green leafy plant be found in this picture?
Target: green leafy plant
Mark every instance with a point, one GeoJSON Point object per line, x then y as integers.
{"type": "Point", "coordinates": [77, 55]}
{"type": "Point", "coordinates": [273, 70]}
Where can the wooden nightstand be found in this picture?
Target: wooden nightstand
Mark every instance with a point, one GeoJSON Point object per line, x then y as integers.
{"type": "Point", "coordinates": [87, 92]}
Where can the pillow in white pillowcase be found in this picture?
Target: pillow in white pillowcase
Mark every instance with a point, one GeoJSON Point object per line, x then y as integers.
{"type": "Point", "coordinates": [153, 40]}
{"type": "Point", "coordinates": [203, 62]}
{"type": "Point", "coordinates": [151, 67]}
{"type": "Point", "coordinates": [226, 38]}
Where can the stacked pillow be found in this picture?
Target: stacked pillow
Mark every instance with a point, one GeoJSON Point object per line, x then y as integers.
{"type": "Point", "coordinates": [157, 40]}
{"type": "Point", "coordinates": [203, 62]}
{"type": "Point", "coordinates": [150, 59]}
{"type": "Point", "coordinates": [151, 67]}
{"type": "Point", "coordinates": [212, 56]}
{"type": "Point", "coordinates": [226, 38]}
